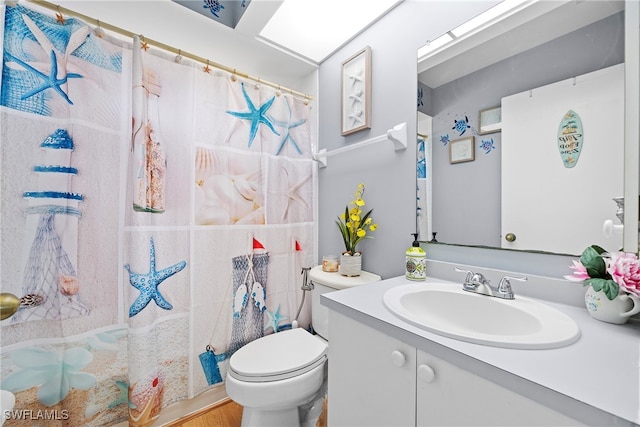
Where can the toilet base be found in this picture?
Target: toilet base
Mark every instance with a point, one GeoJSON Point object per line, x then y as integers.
{"type": "Point", "coordinates": [252, 417]}
{"type": "Point", "coordinates": [304, 416]}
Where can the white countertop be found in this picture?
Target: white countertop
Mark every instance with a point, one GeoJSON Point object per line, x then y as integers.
{"type": "Point", "coordinates": [595, 380]}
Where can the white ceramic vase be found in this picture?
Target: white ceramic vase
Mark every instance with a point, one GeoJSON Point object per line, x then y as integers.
{"type": "Point", "coordinates": [350, 265]}
{"type": "Point", "coordinates": [615, 311]}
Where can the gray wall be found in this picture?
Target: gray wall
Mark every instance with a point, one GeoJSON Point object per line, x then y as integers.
{"type": "Point", "coordinates": [389, 176]}
{"type": "Point", "coordinates": [466, 196]}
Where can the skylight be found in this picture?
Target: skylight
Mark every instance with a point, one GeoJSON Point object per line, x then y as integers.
{"type": "Point", "coordinates": [314, 29]}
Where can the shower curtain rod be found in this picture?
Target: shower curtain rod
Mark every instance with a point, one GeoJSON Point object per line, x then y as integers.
{"type": "Point", "coordinates": [122, 31]}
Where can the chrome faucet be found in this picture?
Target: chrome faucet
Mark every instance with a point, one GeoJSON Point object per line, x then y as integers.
{"type": "Point", "coordinates": [477, 283]}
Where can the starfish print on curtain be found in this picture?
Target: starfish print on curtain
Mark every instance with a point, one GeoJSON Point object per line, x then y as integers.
{"type": "Point", "coordinates": [58, 70]}
{"type": "Point", "coordinates": [50, 81]}
{"type": "Point", "coordinates": [274, 319]}
{"type": "Point", "coordinates": [255, 115]}
{"type": "Point", "coordinates": [148, 283]}
{"type": "Point", "coordinates": [288, 125]}
{"type": "Point", "coordinates": [58, 60]}
{"type": "Point", "coordinates": [292, 193]}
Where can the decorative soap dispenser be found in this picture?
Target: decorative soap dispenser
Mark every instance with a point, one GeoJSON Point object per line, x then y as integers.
{"type": "Point", "coordinates": [416, 261]}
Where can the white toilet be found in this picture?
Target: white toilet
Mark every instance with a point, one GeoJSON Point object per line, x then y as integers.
{"type": "Point", "coordinates": [280, 379]}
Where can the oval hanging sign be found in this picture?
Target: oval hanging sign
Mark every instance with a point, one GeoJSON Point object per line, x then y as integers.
{"type": "Point", "coordinates": [570, 138]}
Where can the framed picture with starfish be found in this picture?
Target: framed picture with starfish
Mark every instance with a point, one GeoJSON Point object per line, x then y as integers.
{"type": "Point", "coordinates": [356, 92]}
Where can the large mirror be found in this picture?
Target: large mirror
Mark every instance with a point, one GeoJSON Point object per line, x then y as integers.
{"type": "Point", "coordinates": [521, 130]}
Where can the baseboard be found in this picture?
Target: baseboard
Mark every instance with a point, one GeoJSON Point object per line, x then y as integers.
{"type": "Point", "coordinates": [199, 412]}
{"type": "Point", "coordinates": [184, 410]}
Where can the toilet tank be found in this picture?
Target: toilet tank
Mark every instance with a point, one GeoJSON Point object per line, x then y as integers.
{"type": "Point", "coordinates": [330, 282]}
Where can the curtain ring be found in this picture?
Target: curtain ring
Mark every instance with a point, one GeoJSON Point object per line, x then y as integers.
{"type": "Point", "coordinates": [99, 32]}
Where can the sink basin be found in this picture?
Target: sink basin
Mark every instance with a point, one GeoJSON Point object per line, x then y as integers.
{"type": "Point", "coordinates": [447, 310]}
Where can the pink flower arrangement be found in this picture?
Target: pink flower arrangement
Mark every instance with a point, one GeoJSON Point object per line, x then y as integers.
{"type": "Point", "coordinates": [625, 270]}
{"type": "Point", "coordinates": [612, 273]}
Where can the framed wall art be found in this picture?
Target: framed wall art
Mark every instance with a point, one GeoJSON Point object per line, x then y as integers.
{"type": "Point", "coordinates": [490, 120]}
{"type": "Point", "coordinates": [356, 92]}
{"type": "Point", "coordinates": [462, 150]}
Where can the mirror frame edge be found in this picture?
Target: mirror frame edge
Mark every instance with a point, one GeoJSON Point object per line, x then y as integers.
{"type": "Point", "coordinates": [631, 133]}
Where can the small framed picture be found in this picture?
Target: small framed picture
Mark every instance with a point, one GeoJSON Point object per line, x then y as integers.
{"type": "Point", "coordinates": [356, 92]}
{"type": "Point", "coordinates": [462, 150]}
{"type": "Point", "coordinates": [490, 120]}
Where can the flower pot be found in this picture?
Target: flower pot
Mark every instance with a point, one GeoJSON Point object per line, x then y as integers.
{"type": "Point", "coordinates": [615, 311]}
{"type": "Point", "coordinates": [350, 265]}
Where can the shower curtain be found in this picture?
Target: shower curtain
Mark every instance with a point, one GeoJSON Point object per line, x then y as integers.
{"type": "Point", "coordinates": [156, 214]}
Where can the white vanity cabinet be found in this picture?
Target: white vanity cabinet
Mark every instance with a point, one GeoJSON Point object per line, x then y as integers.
{"type": "Point", "coordinates": [372, 376]}
{"type": "Point", "coordinates": [449, 395]}
{"type": "Point", "coordinates": [377, 380]}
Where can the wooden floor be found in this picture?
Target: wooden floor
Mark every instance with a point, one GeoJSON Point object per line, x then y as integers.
{"type": "Point", "coordinates": [227, 414]}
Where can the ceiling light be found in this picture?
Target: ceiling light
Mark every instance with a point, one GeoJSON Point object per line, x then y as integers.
{"type": "Point", "coordinates": [488, 16]}
{"type": "Point", "coordinates": [434, 44]}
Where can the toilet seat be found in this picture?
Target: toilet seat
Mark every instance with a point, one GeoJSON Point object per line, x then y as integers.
{"type": "Point", "coordinates": [278, 356]}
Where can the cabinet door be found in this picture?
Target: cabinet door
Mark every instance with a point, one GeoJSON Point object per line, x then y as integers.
{"type": "Point", "coordinates": [448, 395]}
{"type": "Point", "coordinates": [372, 376]}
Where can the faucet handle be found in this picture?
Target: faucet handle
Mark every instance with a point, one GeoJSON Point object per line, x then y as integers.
{"type": "Point", "coordinates": [504, 286]}
{"type": "Point", "coordinates": [469, 273]}
{"type": "Point", "coordinates": [479, 279]}
{"type": "Point", "coordinates": [475, 282]}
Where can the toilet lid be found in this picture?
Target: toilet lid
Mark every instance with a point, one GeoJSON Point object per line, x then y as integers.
{"type": "Point", "coordinates": [278, 356]}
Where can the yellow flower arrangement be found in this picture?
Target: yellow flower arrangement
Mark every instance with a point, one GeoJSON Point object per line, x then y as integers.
{"type": "Point", "coordinates": [353, 225]}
